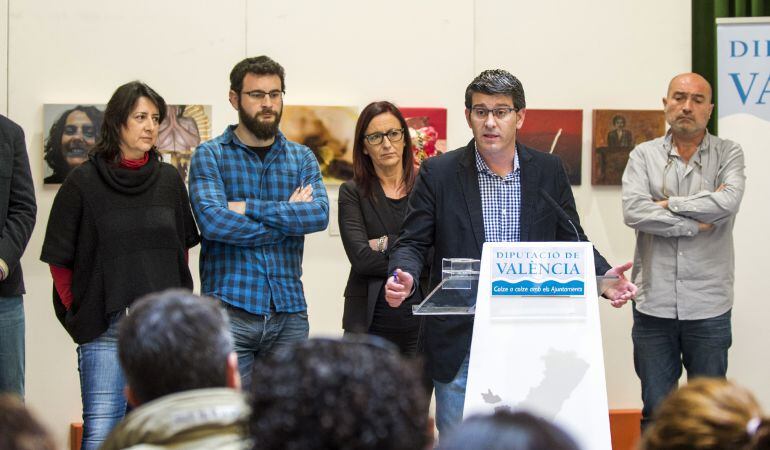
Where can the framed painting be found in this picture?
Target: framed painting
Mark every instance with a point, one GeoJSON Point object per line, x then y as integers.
{"type": "Point", "coordinates": [615, 133]}
{"type": "Point", "coordinates": [329, 132]}
{"type": "Point", "coordinates": [559, 132]}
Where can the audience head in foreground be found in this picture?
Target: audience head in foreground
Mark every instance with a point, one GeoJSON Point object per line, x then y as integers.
{"type": "Point", "coordinates": [182, 373]}
{"type": "Point", "coordinates": [706, 414]}
{"type": "Point", "coordinates": [18, 429]}
{"type": "Point", "coordinates": [338, 394]}
{"type": "Point", "coordinates": [505, 430]}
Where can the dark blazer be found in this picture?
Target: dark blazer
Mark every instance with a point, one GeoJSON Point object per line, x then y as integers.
{"type": "Point", "coordinates": [445, 212]}
{"type": "Point", "coordinates": [17, 204]}
{"type": "Point", "coordinates": [360, 219]}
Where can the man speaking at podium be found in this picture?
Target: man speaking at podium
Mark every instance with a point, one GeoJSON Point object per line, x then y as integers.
{"type": "Point", "coordinates": [681, 193]}
{"type": "Point", "coordinates": [492, 190]}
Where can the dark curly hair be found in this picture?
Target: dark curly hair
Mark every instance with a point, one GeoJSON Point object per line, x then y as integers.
{"type": "Point", "coordinates": [338, 394]}
{"type": "Point", "coordinates": [53, 148]}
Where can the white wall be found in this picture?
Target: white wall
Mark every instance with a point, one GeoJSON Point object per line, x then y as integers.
{"type": "Point", "coordinates": [588, 54]}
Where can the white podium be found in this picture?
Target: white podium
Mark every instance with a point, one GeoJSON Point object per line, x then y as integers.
{"type": "Point", "coordinates": [537, 338]}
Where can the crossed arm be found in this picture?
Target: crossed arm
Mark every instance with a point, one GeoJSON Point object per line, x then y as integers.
{"type": "Point", "coordinates": [254, 222]}
{"type": "Point", "coordinates": [686, 215]}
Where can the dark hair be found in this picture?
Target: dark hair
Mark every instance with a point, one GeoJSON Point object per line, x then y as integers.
{"type": "Point", "coordinates": [337, 394]}
{"type": "Point", "coordinates": [174, 341]}
{"type": "Point", "coordinates": [52, 149]}
{"type": "Point", "coordinates": [494, 82]}
{"type": "Point", "coordinates": [257, 65]}
{"type": "Point", "coordinates": [708, 414]}
{"type": "Point", "coordinates": [116, 115]}
{"type": "Point", "coordinates": [363, 168]}
{"type": "Point", "coordinates": [616, 117]}
{"type": "Point", "coordinates": [18, 428]}
{"type": "Point", "coordinates": [505, 430]}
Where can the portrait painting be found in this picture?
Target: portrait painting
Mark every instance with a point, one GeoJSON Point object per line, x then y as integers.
{"type": "Point", "coordinates": [184, 128]}
{"type": "Point", "coordinates": [329, 132]}
{"type": "Point", "coordinates": [615, 134]}
{"type": "Point", "coordinates": [559, 132]}
{"type": "Point", "coordinates": [71, 132]}
{"type": "Point", "coordinates": [427, 128]}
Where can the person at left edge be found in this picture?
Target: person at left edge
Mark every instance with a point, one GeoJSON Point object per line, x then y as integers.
{"type": "Point", "coordinates": [119, 228]}
{"type": "Point", "coordinates": [256, 195]}
{"type": "Point", "coordinates": [17, 219]}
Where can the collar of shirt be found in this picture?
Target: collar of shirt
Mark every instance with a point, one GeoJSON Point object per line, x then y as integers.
{"type": "Point", "coordinates": [230, 138]}
{"type": "Point", "coordinates": [482, 166]}
{"type": "Point", "coordinates": [668, 145]}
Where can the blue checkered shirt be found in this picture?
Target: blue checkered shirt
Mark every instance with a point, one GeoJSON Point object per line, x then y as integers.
{"type": "Point", "coordinates": [247, 261]}
{"type": "Point", "coordinates": [500, 201]}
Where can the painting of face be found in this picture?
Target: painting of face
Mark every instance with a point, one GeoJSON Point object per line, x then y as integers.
{"type": "Point", "coordinates": [78, 138]}
{"type": "Point", "coordinates": [73, 132]}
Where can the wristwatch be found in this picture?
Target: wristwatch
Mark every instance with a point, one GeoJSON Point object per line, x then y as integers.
{"type": "Point", "coordinates": [381, 244]}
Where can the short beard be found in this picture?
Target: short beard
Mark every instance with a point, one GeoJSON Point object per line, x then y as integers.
{"type": "Point", "coordinates": [260, 130]}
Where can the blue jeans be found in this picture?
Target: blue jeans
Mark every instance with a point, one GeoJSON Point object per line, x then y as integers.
{"type": "Point", "coordinates": [450, 399]}
{"type": "Point", "coordinates": [259, 335]}
{"type": "Point", "coordinates": [12, 345]}
{"type": "Point", "coordinates": [662, 346]}
{"type": "Point", "coordinates": [101, 386]}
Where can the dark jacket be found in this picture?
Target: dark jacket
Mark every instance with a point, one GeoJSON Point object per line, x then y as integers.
{"type": "Point", "coordinates": [123, 233]}
{"type": "Point", "coordinates": [445, 212]}
{"type": "Point", "coordinates": [17, 205]}
{"type": "Point", "coordinates": [362, 218]}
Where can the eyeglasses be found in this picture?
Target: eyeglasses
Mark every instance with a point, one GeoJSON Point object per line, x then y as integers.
{"type": "Point", "coordinates": [481, 113]}
{"type": "Point", "coordinates": [394, 135]}
{"type": "Point", "coordinates": [259, 96]}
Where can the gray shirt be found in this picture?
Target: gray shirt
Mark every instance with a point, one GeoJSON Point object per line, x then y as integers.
{"type": "Point", "coordinates": [681, 272]}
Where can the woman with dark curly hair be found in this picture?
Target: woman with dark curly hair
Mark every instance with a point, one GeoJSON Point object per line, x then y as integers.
{"type": "Point", "coordinates": [71, 138]}
{"type": "Point", "coordinates": [372, 207]}
{"type": "Point", "coordinates": [119, 228]}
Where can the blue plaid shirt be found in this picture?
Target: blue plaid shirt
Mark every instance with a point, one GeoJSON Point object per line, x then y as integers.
{"type": "Point", "coordinates": [248, 260]}
{"type": "Point", "coordinates": [500, 201]}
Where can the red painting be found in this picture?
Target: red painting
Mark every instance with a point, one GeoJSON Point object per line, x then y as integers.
{"type": "Point", "coordinates": [556, 131]}
{"type": "Point", "coordinates": [427, 128]}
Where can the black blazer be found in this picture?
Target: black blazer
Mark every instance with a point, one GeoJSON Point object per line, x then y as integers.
{"type": "Point", "coordinates": [17, 205]}
{"type": "Point", "coordinates": [360, 219]}
{"type": "Point", "coordinates": [445, 212]}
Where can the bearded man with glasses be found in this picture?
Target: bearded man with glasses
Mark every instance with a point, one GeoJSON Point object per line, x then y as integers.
{"type": "Point", "coordinates": [493, 189]}
{"type": "Point", "coordinates": [256, 195]}
{"type": "Point", "coordinates": [681, 193]}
